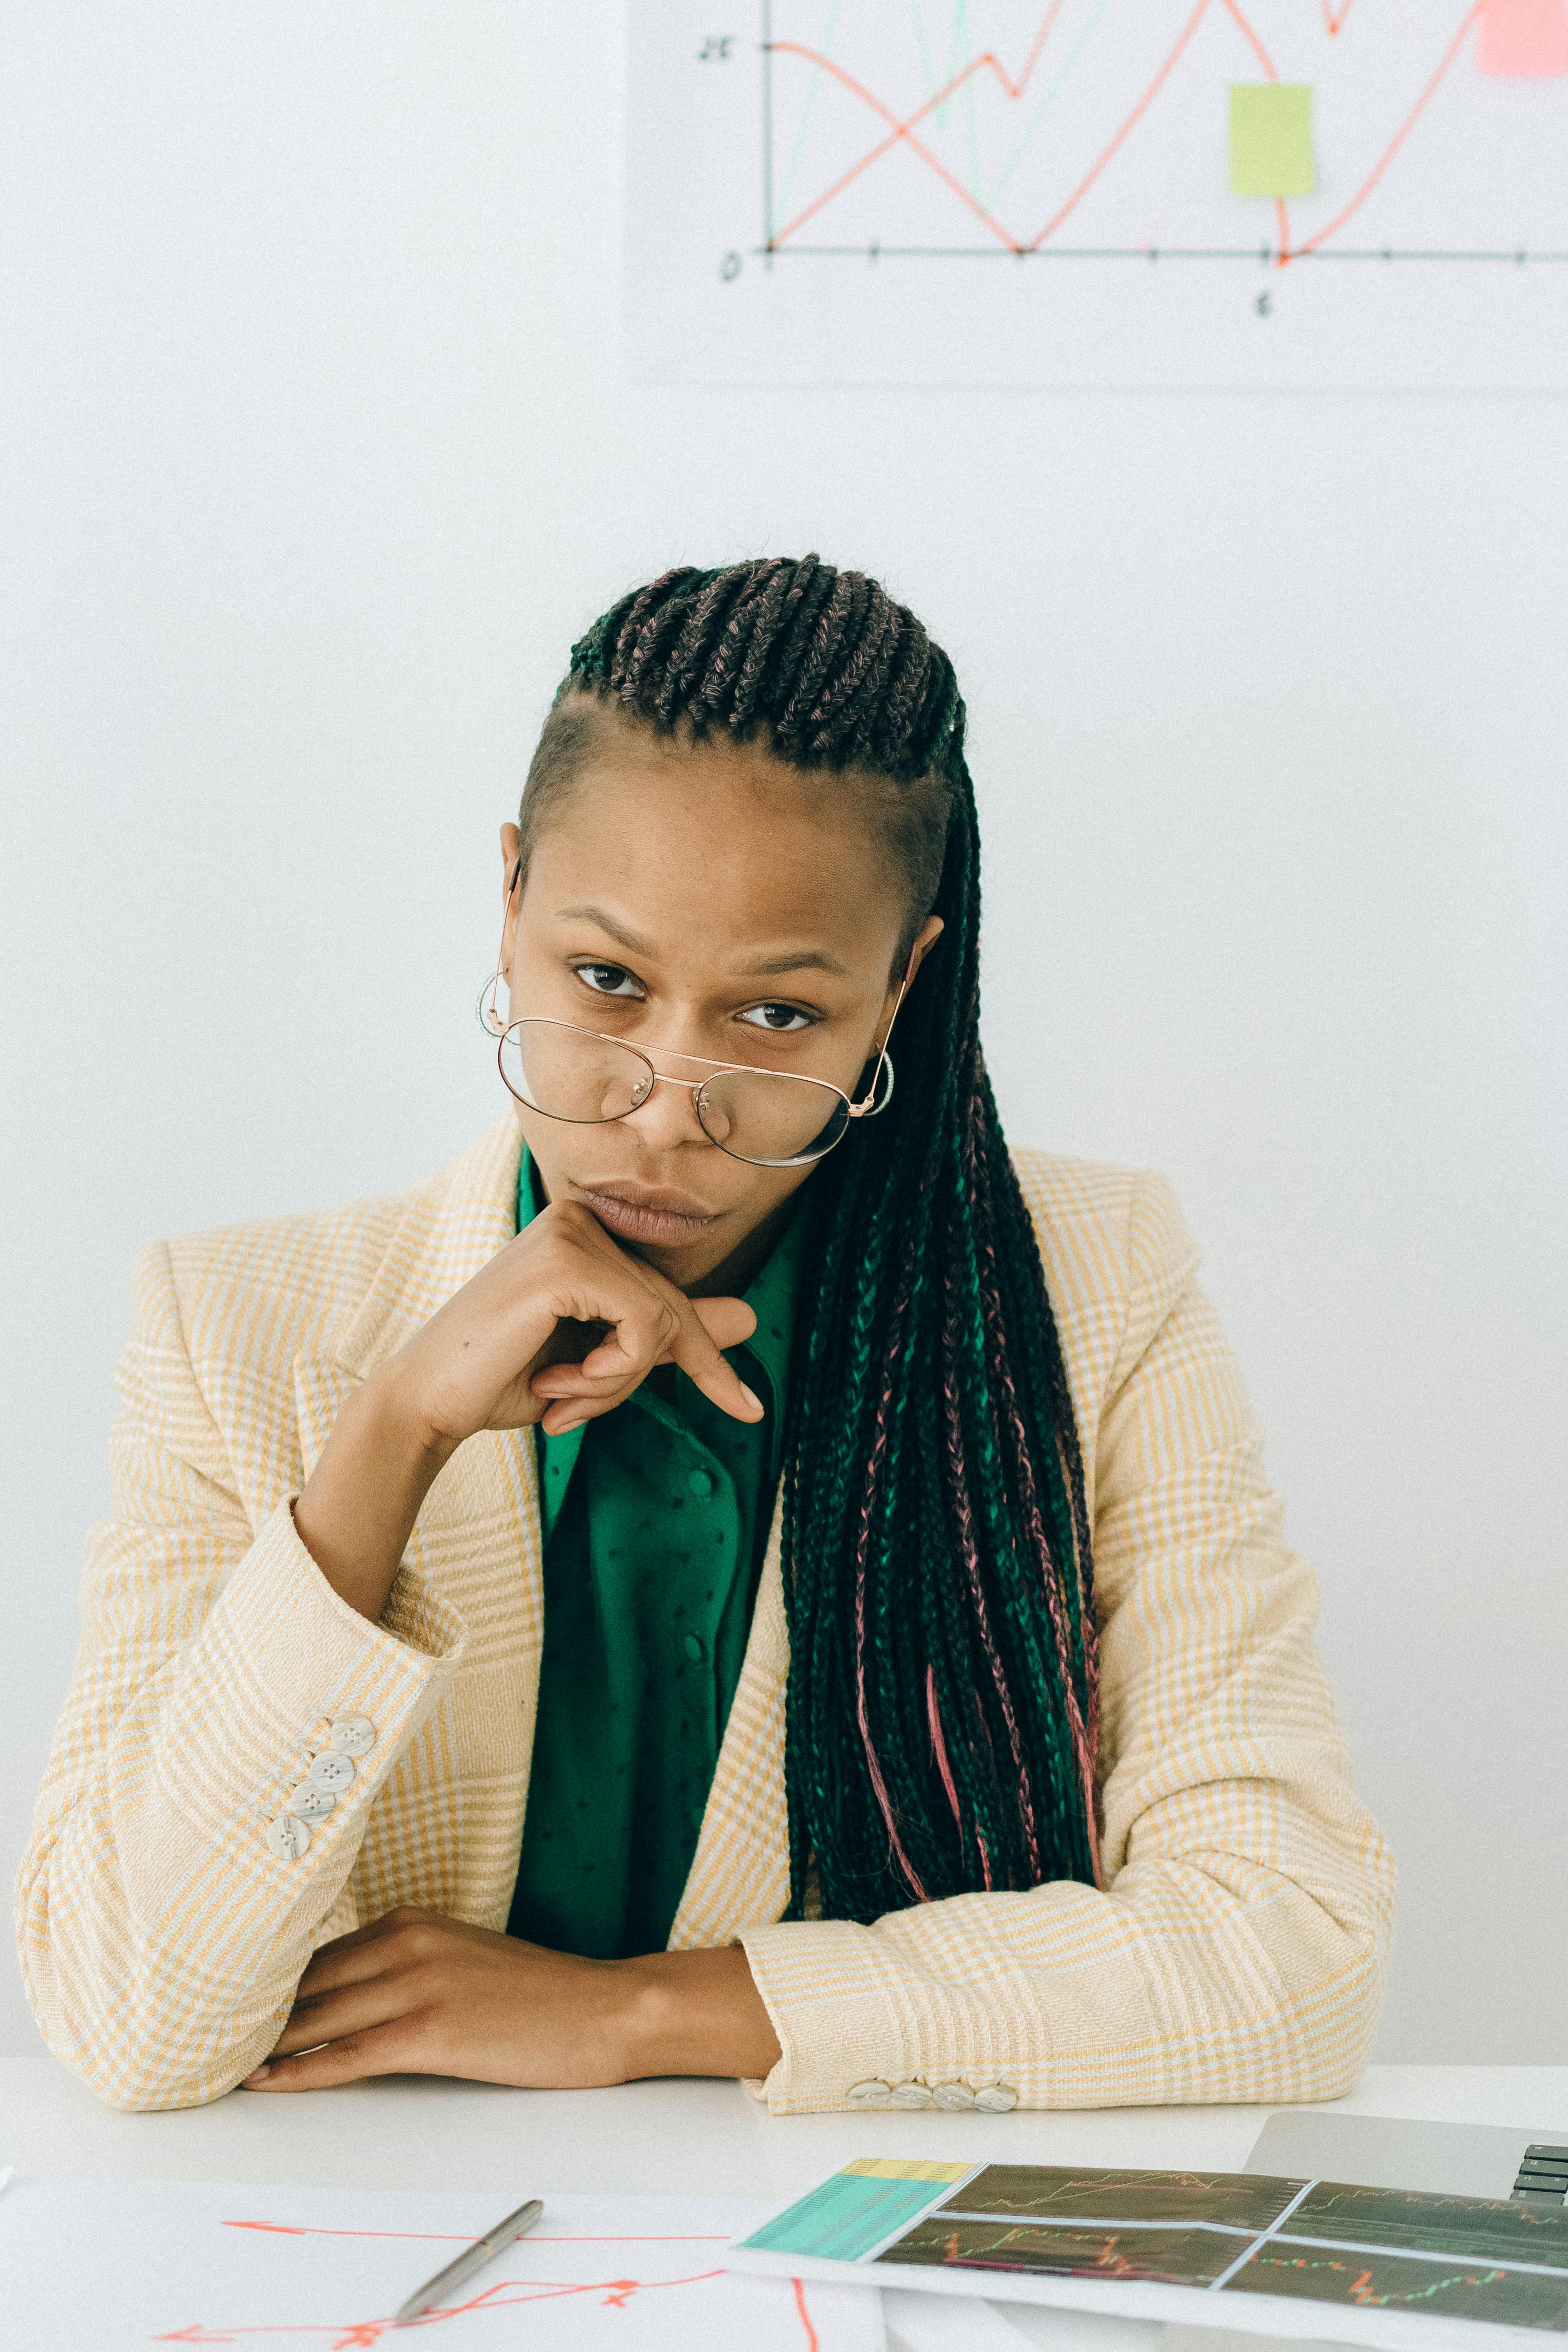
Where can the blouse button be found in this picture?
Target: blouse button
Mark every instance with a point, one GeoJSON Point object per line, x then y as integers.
{"type": "Point", "coordinates": [910, 2095]}
{"type": "Point", "coordinates": [869, 2094]}
{"type": "Point", "coordinates": [997, 2098]}
{"type": "Point", "coordinates": [692, 1645]}
{"type": "Point", "coordinates": [701, 1482]}
{"type": "Point", "coordinates": [953, 2095]}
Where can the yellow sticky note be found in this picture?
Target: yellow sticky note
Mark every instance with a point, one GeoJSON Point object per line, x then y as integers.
{"type": "Point", "coordinates": [896, 2168]}
{"type": "Point", "coordinates": [1271, 138]}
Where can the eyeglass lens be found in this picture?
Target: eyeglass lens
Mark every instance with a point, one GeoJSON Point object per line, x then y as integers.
{"type": "Point", "coordinates": [767, 1117]}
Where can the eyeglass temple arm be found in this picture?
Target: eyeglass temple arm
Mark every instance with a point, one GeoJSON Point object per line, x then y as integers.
{"type": "Point", "coordinates": [501, 971]}
{"type": "Point", "coordinates": [859, 1109]}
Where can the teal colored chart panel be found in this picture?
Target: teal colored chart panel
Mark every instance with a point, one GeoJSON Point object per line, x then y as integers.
{"type": "Point", "coordinates": [848, 2216]}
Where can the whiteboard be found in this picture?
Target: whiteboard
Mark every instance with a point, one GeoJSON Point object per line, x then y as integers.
{"type": "Point", "coordinates": [1061, 192]}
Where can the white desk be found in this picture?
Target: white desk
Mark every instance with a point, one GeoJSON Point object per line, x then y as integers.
{"type": "Point", "coordinates": [672, 2136]}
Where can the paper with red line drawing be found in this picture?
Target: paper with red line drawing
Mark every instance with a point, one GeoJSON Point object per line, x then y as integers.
{"type": "Point", "coordinates": [1049, 191]}
{"type": "Point", "coordinates": [126, 2265]}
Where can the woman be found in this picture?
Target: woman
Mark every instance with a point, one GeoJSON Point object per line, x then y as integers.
{"type": "Point", "coordinates": [736, 1574]}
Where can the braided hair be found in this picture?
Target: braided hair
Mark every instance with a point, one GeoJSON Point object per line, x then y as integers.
{"type": "Point", "coordinates": [943, 1699]}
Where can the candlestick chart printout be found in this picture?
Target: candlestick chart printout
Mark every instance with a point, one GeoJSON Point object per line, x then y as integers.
{"type": "Point", "coordinates": [118, 2264]}
{"type": "Point", "coordinates": [1250, 192]}
{"type": "Point", "coordinates": [1381, 2266]}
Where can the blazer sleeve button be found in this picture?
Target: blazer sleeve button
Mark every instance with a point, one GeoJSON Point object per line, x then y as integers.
{"type": "Point", "coordinates": [288, 1837]}
{"type": "Point", "coordinates": [951, 2095]}
{"type": "Point", "coordinates": [910, 2095]}
{"type": "Point", "coordinates": [997, 2098]}
{"type": "Point", "coordinates": [353, 1735]}
{"type": "Point", "coordinates": [870, 2093]}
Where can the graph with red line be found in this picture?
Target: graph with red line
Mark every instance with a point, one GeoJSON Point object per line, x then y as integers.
{"type": "Point", "coordinates": [1249, 192]}
{"type": "Point", "coordinates": [324, 2270]}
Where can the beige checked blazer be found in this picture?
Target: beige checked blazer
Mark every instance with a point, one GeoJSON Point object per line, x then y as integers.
{"type": "Point", "coordinates": [1237, 1952]}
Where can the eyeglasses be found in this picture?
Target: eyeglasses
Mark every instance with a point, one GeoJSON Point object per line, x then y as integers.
{"type": "Point", "coordinates": [771, 1119]}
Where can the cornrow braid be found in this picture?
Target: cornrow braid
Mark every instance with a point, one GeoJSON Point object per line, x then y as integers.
{"type": "Point", "coordinates": [942, 1705]}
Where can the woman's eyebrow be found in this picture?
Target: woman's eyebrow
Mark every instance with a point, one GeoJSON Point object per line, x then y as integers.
{"type": "Point", "coordinates": [799, 959]}
{"type": "Point", "coordinates": [631, 940]}
{"type": "Point", "coordinates": [766, 968]}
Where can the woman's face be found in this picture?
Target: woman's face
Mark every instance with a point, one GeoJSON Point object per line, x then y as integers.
{"type": "Point", "coordinates": [700, 899]}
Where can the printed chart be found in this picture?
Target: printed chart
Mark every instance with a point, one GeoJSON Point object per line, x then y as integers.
{"type": "Point", "coordinates": [1374, 2259]}
{"type": "Point", "coordinates": [166, 2262]}
{"type": "Point", "coordinates": [1078, 192]}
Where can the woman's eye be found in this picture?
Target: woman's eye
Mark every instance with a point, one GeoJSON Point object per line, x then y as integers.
{"type": "Point", "coordinates": [777, 1017]}
{"type": "Point", "coordinates": [609, 978]}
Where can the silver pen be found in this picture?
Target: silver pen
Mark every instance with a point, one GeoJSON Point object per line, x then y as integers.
{"type": "Point", "coordinates": [473, 2258]}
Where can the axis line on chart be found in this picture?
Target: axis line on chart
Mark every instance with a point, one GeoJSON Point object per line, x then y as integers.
{"type": "Point", "coordinates": [1267, 255]}
{"type": "Point", "coordinates": [901, 130]}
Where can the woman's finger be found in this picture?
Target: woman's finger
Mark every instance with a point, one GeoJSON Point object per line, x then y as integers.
{"type": "Point", "coordinates": [407, 1915]}
{"type": "Point", "coordinates": [347, 2009]}
{"type": "Point", "coordinates": [384, 2050]}
{"type": "Point", "coordinates": [693, 1347]}
{"type": "Point", "coordinates": [334, 1966]}
{"type": "Point", "coordinates": [680, 1334]}
{"type": "Point", "coordinates": [728, 1322]}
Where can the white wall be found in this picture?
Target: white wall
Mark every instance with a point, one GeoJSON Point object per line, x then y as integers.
{"type": "Point", "coordinates": [319, 458]}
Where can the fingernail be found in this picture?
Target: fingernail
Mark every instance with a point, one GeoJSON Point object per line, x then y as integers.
{"type": "Point", "coordinates": [565, 1428]}
{"type": "Point", "coordinates": [751, 1397]}
{"type": "Point", "coordinates": [259, 2075]}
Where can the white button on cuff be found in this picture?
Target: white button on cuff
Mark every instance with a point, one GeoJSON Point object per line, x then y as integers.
{"type": "Point", "coordinates": [288, 1837]}
{"type": "Point", "coordinates": [310, 1803]}
{"type": "Point", "coordinates": [997, 2098]}
{"type": "Point", "coordinates": [910, 2095]}
{"type": "Point", "coordinates": [353, 1735]}
{"type": "Point", "coordinates": [871, 2094]}
{"type": "Point", "coordinates": [331, 1771]}
{"type": "Point", "coordinates": [951, 2095]}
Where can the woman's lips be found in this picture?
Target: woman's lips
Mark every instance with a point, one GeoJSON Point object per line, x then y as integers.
{"type": "Point", "coordinates": [645, 1220]}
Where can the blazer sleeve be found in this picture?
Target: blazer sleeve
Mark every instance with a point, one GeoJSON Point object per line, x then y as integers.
{"type": "Point", "coordinates": [1238, 1947]}
{"type": "Point", "coordinates": [161, 1939]}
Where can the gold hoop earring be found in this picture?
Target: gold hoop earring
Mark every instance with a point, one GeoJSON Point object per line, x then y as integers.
{"type": "Point", "coordinates": [874, 1108]}
{"type": "Point", "coordinates": [489, 1010]}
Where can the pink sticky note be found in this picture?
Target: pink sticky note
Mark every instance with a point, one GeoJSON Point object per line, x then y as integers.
{"type": "Point", "coordinates": [1527, 38]}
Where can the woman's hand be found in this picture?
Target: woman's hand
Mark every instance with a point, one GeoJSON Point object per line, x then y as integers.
{"type": "Point", "coordinates": [416, 1993]}
{"type": "Point", "coordinates": [560, 1326]}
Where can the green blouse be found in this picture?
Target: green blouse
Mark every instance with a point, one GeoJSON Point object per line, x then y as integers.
{"type": "Point", "coordinates": [655, 1518]}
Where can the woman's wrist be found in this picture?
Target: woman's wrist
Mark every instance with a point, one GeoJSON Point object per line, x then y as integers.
{"type": "Point", "coordinates": [695, 2013]}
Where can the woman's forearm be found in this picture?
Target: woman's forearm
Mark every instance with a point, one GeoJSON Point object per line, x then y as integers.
{"type": "Point", "coordinates": [358, 1507]}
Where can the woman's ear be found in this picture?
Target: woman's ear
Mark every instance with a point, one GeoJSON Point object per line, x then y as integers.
{"type": "Point", "coordinates": [510, 851]}
{"type": "Point", "coordinates": [510, 859]}
{"type": "Point", "coordinates": [926, 938]}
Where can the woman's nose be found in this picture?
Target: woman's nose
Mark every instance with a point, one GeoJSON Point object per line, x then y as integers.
{"type": "Point", "coordinates": [668, 1117]}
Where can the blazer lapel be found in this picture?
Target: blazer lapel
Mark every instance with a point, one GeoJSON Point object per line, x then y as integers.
{"type": "Point", "coordinates": [740, 1871]}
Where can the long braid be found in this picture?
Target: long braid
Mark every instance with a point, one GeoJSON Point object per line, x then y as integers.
{"type": "Point", "coordinates": [943, 1690]}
